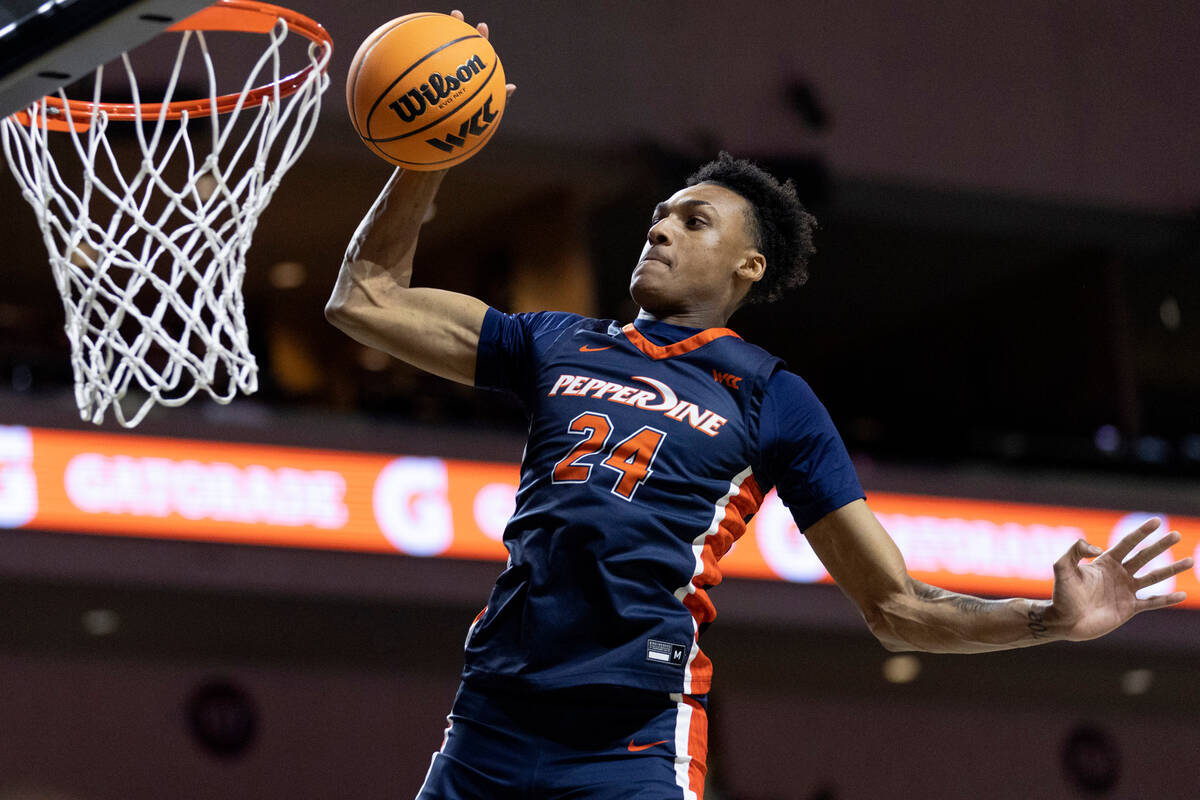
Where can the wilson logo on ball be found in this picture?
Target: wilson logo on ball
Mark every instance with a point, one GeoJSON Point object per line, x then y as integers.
{"type": "Point", "coordinates": [415, 102]}
{"type": "Point", "coordinates": [475, 126]}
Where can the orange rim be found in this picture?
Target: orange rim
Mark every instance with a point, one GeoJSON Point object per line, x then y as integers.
{"type": "Point", "coordinates": [247, 16]}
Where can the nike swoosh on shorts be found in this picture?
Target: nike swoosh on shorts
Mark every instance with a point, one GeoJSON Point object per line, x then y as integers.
{"type": "Point", "coordinates": [634, 748]}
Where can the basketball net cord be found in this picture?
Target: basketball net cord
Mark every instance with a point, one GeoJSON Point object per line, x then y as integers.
{"type": "Point", "coordinates": [150, 304]}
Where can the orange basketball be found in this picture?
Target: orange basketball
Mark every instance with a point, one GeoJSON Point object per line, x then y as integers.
{"type": "Point", "coordinates": [425, 91]}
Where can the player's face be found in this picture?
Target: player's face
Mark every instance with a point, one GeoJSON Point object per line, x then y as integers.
{"type": "Point", "coordinates": [698, 240]}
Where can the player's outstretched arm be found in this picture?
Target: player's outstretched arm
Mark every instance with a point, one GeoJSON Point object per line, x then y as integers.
{"type": "Point", "coordinates": [904, 614]}
{"type": "Point", "coordinates": [372, 302]}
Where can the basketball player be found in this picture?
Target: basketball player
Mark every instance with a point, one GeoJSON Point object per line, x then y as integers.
{"type": "Point", "coordinates": [650, 446]}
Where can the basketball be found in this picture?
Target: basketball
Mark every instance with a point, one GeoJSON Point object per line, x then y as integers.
{"type": "Point", "coordinates": [425, 91]}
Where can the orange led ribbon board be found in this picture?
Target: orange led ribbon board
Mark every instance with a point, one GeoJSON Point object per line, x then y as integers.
{"type": "Point", "coordinates": [140, 486]}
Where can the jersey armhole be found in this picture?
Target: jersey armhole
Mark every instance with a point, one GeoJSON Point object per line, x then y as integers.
{"type": "Point", "coordinates": [758, 460]}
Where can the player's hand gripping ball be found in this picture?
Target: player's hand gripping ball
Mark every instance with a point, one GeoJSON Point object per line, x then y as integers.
{"type": "Point", "coordinates": [425, 91]}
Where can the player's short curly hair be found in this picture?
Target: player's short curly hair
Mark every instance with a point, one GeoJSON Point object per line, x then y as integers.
{"type": "Point", "coordinates": [781, 227]}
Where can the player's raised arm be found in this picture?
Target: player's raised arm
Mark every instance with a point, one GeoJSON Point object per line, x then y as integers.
{"type": "Point", "coordinates": [1089, 600]}
{"type": "Point", "coordinates": [373, 302]}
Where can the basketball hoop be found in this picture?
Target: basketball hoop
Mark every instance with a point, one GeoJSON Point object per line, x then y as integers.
{"type": "Point", "coordinates": [149, 262]}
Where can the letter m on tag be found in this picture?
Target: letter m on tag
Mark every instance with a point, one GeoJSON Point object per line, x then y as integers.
{"type": "Point", "coordinates": [476, 125]}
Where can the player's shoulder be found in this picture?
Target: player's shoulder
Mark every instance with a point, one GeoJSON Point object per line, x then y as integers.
{"type": "Point", "coordinates": [543, 331]}
{"type": "Point", "coordinates": [542, 323]}
{"type": "Point", "coordinates": [791, 397]}
{"type": "Point", "coordinates": [750, 358]}
{"type": "Point", "coordinates": [784, 381]}
{"type": "Point", "coordinates": [754, 351]}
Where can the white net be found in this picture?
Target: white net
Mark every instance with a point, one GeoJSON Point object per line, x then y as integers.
{"type": "Point", "coordinates": [148, 238]}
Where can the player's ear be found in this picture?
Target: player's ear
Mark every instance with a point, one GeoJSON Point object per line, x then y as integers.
{"type": "Point", "coordinates": [752, 267]}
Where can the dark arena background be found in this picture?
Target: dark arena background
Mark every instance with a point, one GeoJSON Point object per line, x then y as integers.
{"type": "Point", "coordinates": [268, 599]}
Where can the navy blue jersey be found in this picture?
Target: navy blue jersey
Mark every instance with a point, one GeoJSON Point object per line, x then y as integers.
{"type": "Point", "coordinates": [645, 460]}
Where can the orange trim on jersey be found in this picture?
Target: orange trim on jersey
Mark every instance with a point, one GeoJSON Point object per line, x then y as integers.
{"type": "Point", "coordinates": [701, 667]}
{"type": "Point", "coordinates": [697, 747]}
{"type": "Point", "coordinates": [689, 344]}
{"type": "Point", "coordinates": [741, 506]}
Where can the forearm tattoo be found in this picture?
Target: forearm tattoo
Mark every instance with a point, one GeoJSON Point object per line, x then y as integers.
{"type": "Point", "coordinates": [963, 602]}
{"type": "Point", "coordinates": [967, 603]}
{"type": "Point", "coordinates": [1037, 624]}
{"type": "Point", "coordinates": [978, 614]}
{"type": "Point", "coordinates": [927, 592]}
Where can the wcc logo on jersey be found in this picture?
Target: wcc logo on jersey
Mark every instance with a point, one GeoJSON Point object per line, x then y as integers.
{"type": "Point", "coordinates": [727, 379]}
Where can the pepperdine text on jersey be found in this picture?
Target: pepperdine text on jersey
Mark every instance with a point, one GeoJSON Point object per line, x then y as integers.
{"type": "Point", "coordinates": [663, 399]}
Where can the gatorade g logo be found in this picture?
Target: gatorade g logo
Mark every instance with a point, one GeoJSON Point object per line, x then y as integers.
{"type": "Point", "coordinates": [412, 505]}
{"type": "Point", "coordinates": [415, 102]}
{"type": "Point", "coordinates": [18, 483]}
{"type": "Point", "coordinates": [475, 126]}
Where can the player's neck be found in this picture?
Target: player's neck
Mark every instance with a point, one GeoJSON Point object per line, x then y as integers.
{"type": "Point", "coordinates": [687, 319]}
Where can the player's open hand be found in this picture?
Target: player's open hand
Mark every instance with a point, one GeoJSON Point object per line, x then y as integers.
{"type": "Point", "coordinates": [482, 27]}
{"type": "Point", "coordinates": [1092, 599]}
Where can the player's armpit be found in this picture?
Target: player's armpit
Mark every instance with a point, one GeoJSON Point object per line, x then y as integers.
{"type": "Point", "coordinates": [432, 329]}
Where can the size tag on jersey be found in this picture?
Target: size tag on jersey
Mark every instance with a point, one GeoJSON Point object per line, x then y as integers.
{"type": "Point", "coordinates": [665, 652]}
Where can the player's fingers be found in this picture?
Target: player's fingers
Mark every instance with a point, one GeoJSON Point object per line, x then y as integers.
{"type": "Point", "coordinates": [1159, 601]}
{"type": "Point", "coordinates": [1133, 538]}
{"type": "Point", "coordinates": [509, 88]}
{"type": "Point", "coordinates": [481, 27]}
{"type": "Point", "coordinates": [1070, 559]}
{"type": "Point", "coordinates": [1147, 554]}
{"type": "Point", "coordinates": [1162, 573]}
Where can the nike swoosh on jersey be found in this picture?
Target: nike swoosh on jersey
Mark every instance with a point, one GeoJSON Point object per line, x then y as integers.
{"type": "Point", "coordinates": [586, 349]}
{"type": "Point", "coordinates": [636, 748]}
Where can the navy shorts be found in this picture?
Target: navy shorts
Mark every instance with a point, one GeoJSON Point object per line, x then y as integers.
{"type": "Point", "coordinates": [598, 743]}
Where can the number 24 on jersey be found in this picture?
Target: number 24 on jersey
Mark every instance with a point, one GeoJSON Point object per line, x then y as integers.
{"type": "Point", "coordinates": [630, 458]}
